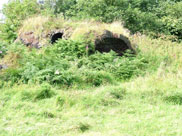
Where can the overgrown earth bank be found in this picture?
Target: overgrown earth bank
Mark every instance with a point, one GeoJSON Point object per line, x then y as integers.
{"type": "Point", "coordinates": [71, 87]}
{"type": "Point", "coordinates": [71, 53]}
{"type": "Point", "coordinates": [86, 74]}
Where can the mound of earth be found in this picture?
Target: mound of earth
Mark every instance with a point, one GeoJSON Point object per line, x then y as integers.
{"type": "Point", "coordinates": [105, 37]}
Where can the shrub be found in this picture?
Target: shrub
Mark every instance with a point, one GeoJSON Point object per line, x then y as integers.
{"type": "Point", "coordinates": [8, 32]}
{"type": "Point", "coordinates": [66, 63]}
{"type": "Point", "coordinates": [120, 67]}
{"type": "Point", "coordinates": [138, 21]}
{"type": "Point", "coordinates": [66, 101]}
{"type": "Point", "coordinates": [138, 15]}
{"type": "Point", "coordinates": [172, 20]}
{"type": "Point", "coordinates": [69, 48]}
{"type": "Point", "coordinates": [15, 12]}
{"type": "Point", "coordinates": [60, 101]}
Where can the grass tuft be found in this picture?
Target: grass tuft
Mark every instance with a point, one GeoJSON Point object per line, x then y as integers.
{"type": "Point", "coordinates": [174, 99]}
{"type": "Point", "coordinates": [48, 114]}
{"type": "Point", "coordinates": [118, 92]}
{"type": "Point", "coordinates": [44, 92]}
{"type": "Point", "coordinates": [83, 127]}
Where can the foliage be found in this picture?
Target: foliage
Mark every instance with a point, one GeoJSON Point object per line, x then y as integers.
{"type": "Point", "coordinates": [38, 89]}
{"type": "Point", "coordinates": [122, 67]}
{"type": "Point", "coordinates": [173, 21]}
{"type": "Point", "coordinates": [138, 15]}
{"type": "Point", "coordinates": [66, 48]}
{"type": "Point", "coordinates": [97, 9]}
{"type": "Point", "coordinates": [8, 32]}
{"type": "Point", "coordinates": [71, 62]}
{"type": "Point", "coordinates": [67, 63]}
{"type": "Point", "coordinates": [138, 21]}
{"type": "Point", "coordinates": [15, 12]}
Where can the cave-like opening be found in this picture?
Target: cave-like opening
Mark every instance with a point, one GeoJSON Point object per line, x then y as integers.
{"type": "Point", "coordinates": [107, 44]}
{"type": "Point", "coordinates": [56, 37]}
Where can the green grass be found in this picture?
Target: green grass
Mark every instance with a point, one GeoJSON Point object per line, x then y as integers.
{"type": "Point", "coordinates": [145, 106]}
{"type": "Point", "coordinates": [68, 89]}
{"type": "Point", "coordinates": [88, 102]}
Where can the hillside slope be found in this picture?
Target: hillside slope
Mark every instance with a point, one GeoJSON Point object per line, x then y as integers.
{"type": "Point", "coordinates": [62, 90]}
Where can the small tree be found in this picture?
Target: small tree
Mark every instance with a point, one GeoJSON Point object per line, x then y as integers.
{"type": "Point", "coordinates": [15, 11]}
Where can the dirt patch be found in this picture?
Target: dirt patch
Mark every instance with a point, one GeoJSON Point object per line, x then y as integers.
{"type": "Point", "coordinates": [30, 40]}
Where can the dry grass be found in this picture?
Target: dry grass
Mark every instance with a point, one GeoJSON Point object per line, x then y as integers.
{"type": "Point", "coordinates": [35, 24]}
{"type": "Point", "coordinates": [42, 26]}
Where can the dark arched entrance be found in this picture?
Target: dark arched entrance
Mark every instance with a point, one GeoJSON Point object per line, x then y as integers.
{"type": "Point", "coordinates": [115, 44]}
{"type": "Point", "coordinates": [56, 37]}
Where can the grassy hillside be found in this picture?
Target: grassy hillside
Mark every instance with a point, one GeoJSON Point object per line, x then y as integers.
{"type": "Point", "coordinates": [70, 88]}
{"type": "Point", "coordinates": [147, 103]}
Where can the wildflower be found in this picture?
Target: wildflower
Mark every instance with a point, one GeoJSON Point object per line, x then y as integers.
{"type": "Point", "coordinates": [86, 47]}
{"type": "Point", "coordinates": [57, 72]}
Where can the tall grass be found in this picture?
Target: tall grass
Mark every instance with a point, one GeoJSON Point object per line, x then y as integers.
{"type": "Point", "coordinates": [99, 94]}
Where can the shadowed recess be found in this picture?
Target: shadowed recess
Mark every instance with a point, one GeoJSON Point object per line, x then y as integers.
{"type": "Point", "coordinates": [116, 44]}
{"type": "Point", "coordinates": [56, 37]}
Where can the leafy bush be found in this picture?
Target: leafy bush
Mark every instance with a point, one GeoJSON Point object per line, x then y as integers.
{"type": "Point", "coordinates": [66, 48]}
{"type": "Point", "coordinates": [172, 20]}
{"type": "Point", "coordinates": [98, 9]}
{"type": "Point", "coordinates": [15, 12]}
{"type": "Point", "coordinates": [8, 32]}
{"type": "Point", "coordinates": [67, 63]}
{"type": "Point", "coordinates": [138, 21]}
{"type": "Point", "coordinates": [121, 67]}
{"type": "Point", "coordinates": [11, 74]}
{"type": "Point", "coordinates": [83, 127]}
{"type": "Point", "coordinates": [138, 15]}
